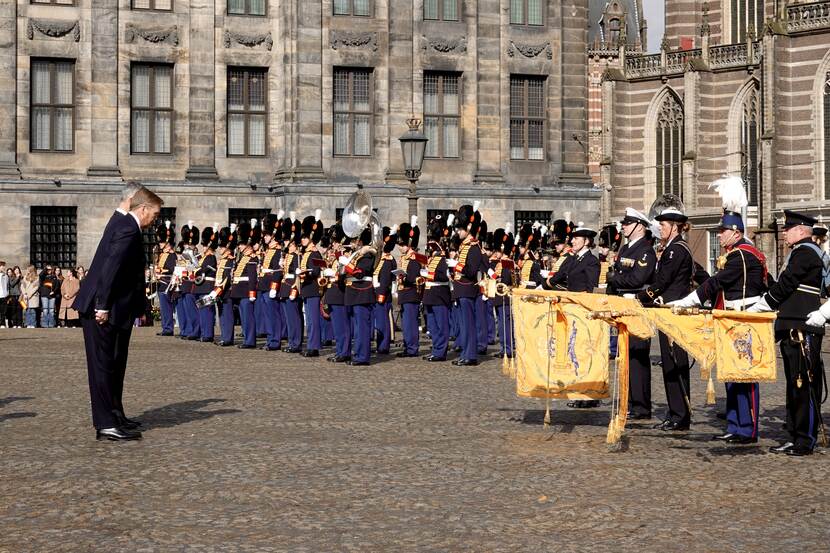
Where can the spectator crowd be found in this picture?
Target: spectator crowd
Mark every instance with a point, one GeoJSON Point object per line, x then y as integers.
{"type": "Point", "coordinates": [42, 298]}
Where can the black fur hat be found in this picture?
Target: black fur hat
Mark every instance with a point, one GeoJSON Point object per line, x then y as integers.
{"type": "Point", "coordinates": [336, 234]}
{"type": "Point", "coordinates": [313, 227]}
{"type": "Point", "coordinates": [225, 238]}
{"type": "Point", "coordinates": [194, 236]}
{"type": "Point", "coordinates": [271, 225]}
{"type": "Point", "coordinates": [366, 236]}
{"type": "Point", "coordinates": [166, 234]}
{"type": "Point", "coordinates": [467, 217]}
{"type": "Point", "coordinates": [610, 237]}
{"type": "Point", "coordinates": [409, 234]}
{"type": "Point", "coordinates": [561, 232]}
{"type": "Point", "coordinates": [209, 238]}
{"type": "Point", "coordinates": [243, 232]}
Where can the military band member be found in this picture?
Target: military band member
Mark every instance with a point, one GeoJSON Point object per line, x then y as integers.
{"type": "Point", "coordinates": [335, 298]}
{"type": "Point", "coordinates": [437, 297]}
{"type": "Point", "coordinates": [326, 328]}
{"type": "Point", "coordinates": [360, 296]}
{"type": "Point", "coordinates": [453, 244]}
{"type": "Point", "coordinates": [308, 272]}
{"type": "Point", "coordinates": [382, 281]}
{"type": "Point", "coordinates": [268, 281]}
{"type": "Point", "coordinates": [561, 237]}
{"type": "Point", "coordinates": [165, 268]}
{"type": "Point", "coordinates": [409, 297]}
{"type": "Point", "coordinates": [672, 280]}
{"type": "Point", "coordinates": [466, 272]}
{"type": "Point", "coordinates": [502, 272]}
{"type": "Point", "coordinates": [580, 270]}
{"type": "Point", "coordinates": [290, 284]}
{"type": "Point", "coordinates": [243, 287]}
{"type": "Point", "coordinates": [482, 302]}
{"type": "Point", "coordinates": [630, 274]}
{"type": "Point", "coordinates": [228, 242]}
{"type": "Point", "coordinates": [205, 282]}
{"type": "Point", "coordinates": [188, 286]}
{"type": "Point", "coordinates": [530, 269]}
{"type": "Point", "coordinates": [739, 283]}
{"type": "Point", "coordinates": [799, 328]}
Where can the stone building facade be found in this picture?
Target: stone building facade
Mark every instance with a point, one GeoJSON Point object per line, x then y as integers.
{"type": "Point", "coordinates": [225, 106]}
{"type": "Point", "coordinates": [740, 87]}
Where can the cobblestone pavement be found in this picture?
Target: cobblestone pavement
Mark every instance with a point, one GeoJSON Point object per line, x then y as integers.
{"type": "Point", "coordinates": [266, 451]}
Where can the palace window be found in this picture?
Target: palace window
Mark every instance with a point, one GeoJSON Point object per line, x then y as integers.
{"type": "Point", "coordinates": [353, 7]}
{"type": "Point", "coordinates": [526, 12]}
{"type": "Point", "coordinates": [53, 237]}
{"type": "Point", "coordinates": [750, 140]}
{"type": "Point", "coordinates": [157, 5]}
{"type": "Point", "coordinates": [246, 7]}
{"type": "Point", "coordinates": [669, 146]}
{"type": "Point", "coordinates": [527, 118]}
{"type": "Point", "coordinates": [151, 122]}
{"type": "Point", "coordinates": [521, 218]}
{"type": "Point", "coordinates": [714, 252]}
{"type": "Point", "coordinates": [746, 15]}
{"type": "Point", "coordinates": [442, 114]}
{"type": "Point", "coordinates": [244, 215]}
{"type": "Point", "coordinates": [247, 117]}
{"type": "Point", "coordinates": [443, 10]}
{"type": "Point", "coordinates": [353, 112]}
{"type": "Point", "coordinates": [52, 117]}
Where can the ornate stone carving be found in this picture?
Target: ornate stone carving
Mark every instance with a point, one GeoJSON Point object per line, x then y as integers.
{"type": "Point", "coordinates": [446, 46]}
{"type": "Point", "coordinates": [339, 39]}
{"type": "Point", "coordinates": [155, 36]}
{"type": "Point", "coordinates": [530, 50]}
{"type": "Point", "coordinates": [54, 28]}
{"type": "Point", "coordinates": [248, 40]}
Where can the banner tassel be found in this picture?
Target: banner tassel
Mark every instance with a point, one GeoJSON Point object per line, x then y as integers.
{"type": "Point", "coordinates": [710, 392]}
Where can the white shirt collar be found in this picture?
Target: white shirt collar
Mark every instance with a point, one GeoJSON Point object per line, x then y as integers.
{"type": "Point", "coordinates": [121, 211]}
{"type": "Point", "coordinates": [632, 242]}
{"type": "Point", "coordinates": [583, 251]}
{"type": "Point", "coordinates": [137, 222]}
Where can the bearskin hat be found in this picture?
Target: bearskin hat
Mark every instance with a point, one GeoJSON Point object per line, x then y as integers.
{"type": "Point", "coordinates": [561, 232]}
{"type": "Point", "coordinates": [312, 227]}
{"type": "Point", "coordinates": [467, 217]}
{"type": "Point", "coordinates": [610, 237]}
{"type": "Point", "coordinates": [366, 236]}
{"type": "Point", "coordinates": [336, 234]}
{"type": "Point", "coordinates": [271, 225]}
{"type": "Point", "coordinates": [209, 238]}
{"type": "Point", "coordinates": [166, 234]}
{"type": "Point", "coordinates": [390, 239]}
{"type": "Point", "coordinates": [194, 236]}
{"type": "Point", "coordinates": [409, 234]}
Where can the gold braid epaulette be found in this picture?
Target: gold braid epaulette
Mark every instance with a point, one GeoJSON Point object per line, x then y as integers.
{"type": "Point", "coordinates": [237, 273]}
{"type": "Point", "coordinates": [384, 257]}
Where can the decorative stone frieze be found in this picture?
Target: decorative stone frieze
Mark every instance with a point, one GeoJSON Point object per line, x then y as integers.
{"type": "Point", "coordinates": [156, 36]}
{"type": "Point", "coordinates": [339, 39]}
{"type": "Point", "coordinates": [248, 40]}
{"type": "Point", "coordinates": [53, 28]}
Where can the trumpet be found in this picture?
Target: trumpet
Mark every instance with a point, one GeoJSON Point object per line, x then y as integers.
{"type": "Point", "coordinates": [420, 281]}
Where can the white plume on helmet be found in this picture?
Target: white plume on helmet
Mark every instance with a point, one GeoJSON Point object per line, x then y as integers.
{"type": "Point", "coordinates": [450, 219]}
{"type": "Point", "coordinates": [732, 193]}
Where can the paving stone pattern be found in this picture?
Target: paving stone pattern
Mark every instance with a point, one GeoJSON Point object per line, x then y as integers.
{"type": "Point", "coordinates": [266, 451]}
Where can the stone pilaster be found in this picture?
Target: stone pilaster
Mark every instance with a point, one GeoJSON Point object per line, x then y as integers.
{"type": "Point", "coordinates": [104, 90]}
{"type": "Point", "coordinates": [8, 89]}
{"type": "Point", "coordinates": [488, 84]}
{"type": "Point", "coordinates": [574, 94]}
{"type": "Point", "coordinates": [202, 165]}
{"type": "Point", "coordinates": [691, 128]}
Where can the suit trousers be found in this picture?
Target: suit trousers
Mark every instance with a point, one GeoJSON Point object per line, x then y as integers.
{"type": "Point", "coordinates": [362, 320]}
{"type": "Point", "coordinates": [742, 404]}
{"type": "Point", "coordinates": [342, 326]}
{"type": "Point", "coordinates": [311, 307]}
{"type": "Point", "coordinates": [639, 377]}
{"type": "Point", "coordinates": [105, 377]}
{"type": "Point", "coordinates": [804, 387]}
{"type": "Point", "coordinates": [166, 310]}
{"type": "Point", "coordinates": [293, 322]}
{"type": "Point", "coordinates": [207, 319]}
{"type": "Point", "coordinates": [274, 321]}
{"type": "Point", "coordinates": [504, 324]}
{"type": "Point", "coordinates": [438, 323]}
{"type": "Point", "coordinates": [467, 329]}
{"type": "Point", "coordinates": [226, 320]}
{"type": "Point", "coordinates": [192, 316]}
{"type": "Point", "coordinates": [247, 321]}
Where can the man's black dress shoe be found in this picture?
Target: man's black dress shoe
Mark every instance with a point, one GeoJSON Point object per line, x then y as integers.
{"type": "Point", "coordinates": [405, 354]}
{"type": "Point", "coordinates": [723, 437]}
{"type": "Point", "coordinates": [339, 359]}
{"type": "Point", "coordinates": [245, 346]}
{"type": "Point", "coordinates": [291, 350]}
{"type": "Point", "coordinates": [269, 348]}
{"type": "Point", "coordinates": [783, 448]}
{"type": "Point", "coordinates": [799, 451]}
{"type": "Point", "coordinates": [742, 440]}
{"type": "Point", "coordinates": [206, 339]}
{"type": "Point", "coordinates": [117, 434]}
{"type": "Point", "coordinates": [224, 344]}
{"type": "Point", "coordinates": [193, 338]}
{"type": "Point", "coordinates": [164, 333]}
{"type": "Point", "coordinates": [311, 353]}
{"type": "Point", "coordinates": [357, 363]}
{"type": "Point", "coordinates": [328, 343]}
{"type": "Point", "coordinates": [434, 358]}
{"type": "Point", "coordinates": [672, 425]}
{"type": "Point", "coordinates": [465, 362]}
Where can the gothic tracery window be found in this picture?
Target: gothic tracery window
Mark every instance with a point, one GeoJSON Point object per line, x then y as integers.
{"type": "Point", "coordinates": [669, 144]}
{"type": "Point", "coordinates": [750, 144]}
{"type": "Point", "coordinates": [746, 14]}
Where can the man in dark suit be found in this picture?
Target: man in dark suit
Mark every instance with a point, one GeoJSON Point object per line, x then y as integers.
{"type": "Point", "coordinates": [110, 299]}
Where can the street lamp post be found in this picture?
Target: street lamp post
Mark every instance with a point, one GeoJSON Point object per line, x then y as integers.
{"type": "Point", "coordinates": [413, 146]}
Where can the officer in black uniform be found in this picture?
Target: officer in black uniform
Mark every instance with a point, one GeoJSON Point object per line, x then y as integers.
{"type": "Point", "coordinates": [631, 273]}
{"type": "Point", "coordinates": [580, 270]}
{"type": "Point", "coordinates": [797, 296]}
{"type": "Point", "coordinates": [672, 281]}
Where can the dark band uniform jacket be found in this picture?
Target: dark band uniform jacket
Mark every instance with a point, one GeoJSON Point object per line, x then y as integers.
{"type": "Point", "coordinates": [467, 270]}
{"type": "Point", "coordinates": [633, 268]}
{"type": "Point", "coordinates": [437, 290]}
{"type": "Point", "coordinates": [798, 290]}
{"type": "Point", "coordinates": [673, 275]}
{"type": "Point", "coordinates": [407, 286]}
{"type": "Point", "coordinates": [359, 287]}
{"type": "Point", "coordinates": [116, 283]}
{"type": "Point", "coordinates": [383, 278]}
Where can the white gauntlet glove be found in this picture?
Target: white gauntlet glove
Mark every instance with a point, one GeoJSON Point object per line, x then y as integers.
{"type": "Point", "coordinates": [328, 273]}
{"type": "Point", "coordinates": [343, 260]}
{"type": "Point", "coordinates": [424, 273]}
{"type": "Point", "coordinates": [452, 263]}
{"type": "Point", "coordinates": [760, 307]}
{"type": "Point", "coordinates": [689, 301]}
{"type": "Point", "coordinates": [819, 317]}
{"type": "Point", "coordinates": [213, 294]}
{"type": "Point", "coordinates": [272, 294]}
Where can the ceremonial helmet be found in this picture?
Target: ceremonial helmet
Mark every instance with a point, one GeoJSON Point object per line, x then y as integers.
{"type": "Point", "coordinates": [271, 225]}
{"type": "Point", "coordinates": [390, 239]}
{"type": "Point", "coordinates": [732, 193]}
{"type": "Point", "coordinates": [209, 238]}
{"type": "Point", "coordinates": [500, 241]}
{"type": "Point", "coordinates": [166, 234]}
{"type": "Point", "coordinates": [312, 227]}
{"type": "Point", "coordinates": [529, 238]}
{"type": "Point", "coordinates": [409, 234]}
{"type": "Point", "coordinates": [468, 218]}
{"type": "Point", "coordinates": [561, 232]}
{"type": "Point", "coordinates": [226, 238]}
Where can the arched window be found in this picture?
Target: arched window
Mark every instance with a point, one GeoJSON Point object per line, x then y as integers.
{"type": "Point", "coordinates": [826, 124]}
{"type": "Point", "coordinates": [614, 32]}
{"type": "Point", "coordinates": [746, 14]}
{"type": "Point", "coordinates": [669, 144]}
{"type": "Point", "coordinates": [750, 140]}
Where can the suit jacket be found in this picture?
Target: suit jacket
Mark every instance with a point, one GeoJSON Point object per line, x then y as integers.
{"type": "Point", "coordinates": [116, 283]}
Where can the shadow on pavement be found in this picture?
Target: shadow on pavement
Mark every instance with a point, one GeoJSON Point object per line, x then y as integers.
{"type": "Point", "coordinates": [181, 413]}
{"type": "Point", "coordinates": [6, 400]}
{"type": "Point", "coordinates": [9, 416]}
{"type": "Point", "coordinates": [565, 418]}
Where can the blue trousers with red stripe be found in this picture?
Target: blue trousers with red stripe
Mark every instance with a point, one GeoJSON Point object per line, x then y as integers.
{"type": "Point", "coordinates": [293, 322]}
{"type": "Point", "coordinates": [505, 328]}
{"type": "Point", "coordinates": [273, 320]}
{"type": "Point", "coordinates": [438, 323]}
{"type": "Point", "coordinates": [248, 321]}
{"type": "Point", "coordinates": [409, 323]}
{"type": "Point", "coordinates": [207, 319]}
{"type": "Point", "coordinates": [467, 329]}
{"type": "Point", "coordinates": [192, 316]}
{"type": "Point", "coordinates": [362, 320]}
{"type": "Point", "coordinates": [342, 325]}
{"type": "Point", "coordinates": [312, 322]}
{"type": "Point", "coordinates": [383, 326]}
{"type": "Point", "coordinates": [742, 404]}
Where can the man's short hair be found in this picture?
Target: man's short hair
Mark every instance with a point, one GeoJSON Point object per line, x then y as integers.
{"type": "Point", "coordinates": [130, 190]}
{"type": "Point", "coordinates": [144, 196]}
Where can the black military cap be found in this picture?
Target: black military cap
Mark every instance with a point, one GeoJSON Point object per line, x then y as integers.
{"type": "Point", "coordinates": [583, 232]}
{"type": "Point", "coordinates": [673, 215]}
{"type": "Point", "coordinates": [819, 230]}
{"type": "Point", "coordinates": [794, 219]}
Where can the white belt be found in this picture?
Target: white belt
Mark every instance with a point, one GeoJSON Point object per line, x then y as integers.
{"type": "Point", "coordinates": [809, 289]}
{"type": "Point", "coordinates": [434, 284]}
{"type": "Point", "coordinates": [240, 279]}
{"type": "Point", "coordinates": [210, 279]}
{"type": "Point", "coordinates": [360, 279]}
{"type": "Point", "coordinates": [376, 282]}
{"type": "Point", "coordinates": [529, 283]}
{"type": "Point", "coordinates": [741, 303]}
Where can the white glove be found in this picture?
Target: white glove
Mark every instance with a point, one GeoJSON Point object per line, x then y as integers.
{"type": "Point", "coordinates": [490, 273]}
{"type": "Point", "coordinates": [251, 299]}
{"type": "Point", "coordinates": [424, 273]}
{"type": "Point", "coordinates": [819, 317]}
{"type": "Point", "coordinates": [760, 306]}
{"type": "Point", "coordinates": [272, 294]}
{"type": "Point", "coordinates": [545, 273]}
{"type": "Point", "coordinates": [692, 300]}
{"type": "Point", "coordinates": [213, 294]}
{"type": "Point", "coordinates": [452, 263]}
{"type": "Point", "coordinates": [343, 260]}
{"type": "Point", "coordinates": [297, 271]}
{"type": "Point", "coordinates": [629, 296]}
{"type": "Point", "coordinates": [328, 273]}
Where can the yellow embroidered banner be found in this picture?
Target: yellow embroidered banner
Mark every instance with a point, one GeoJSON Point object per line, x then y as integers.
{"type": "Point", "coordinates": [744, 346]}
{"type": "Point", "coordinates": [694, 333]}
{"type": "Point", "coordinates": [560, 352]}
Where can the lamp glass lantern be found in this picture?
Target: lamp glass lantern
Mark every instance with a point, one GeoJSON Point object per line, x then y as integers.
{"type": "Point", "coordinates": [413, 146]}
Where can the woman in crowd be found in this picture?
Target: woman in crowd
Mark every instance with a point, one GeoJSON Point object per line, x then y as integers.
{"type": "Point", "coordinates": [13, 311]}
{"type": "Point", "coordinates": [30, 296]}
{"type": "Point", "coordinates": [68, 317]}
{"type": "Point", "coordinates": [80, 272]}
